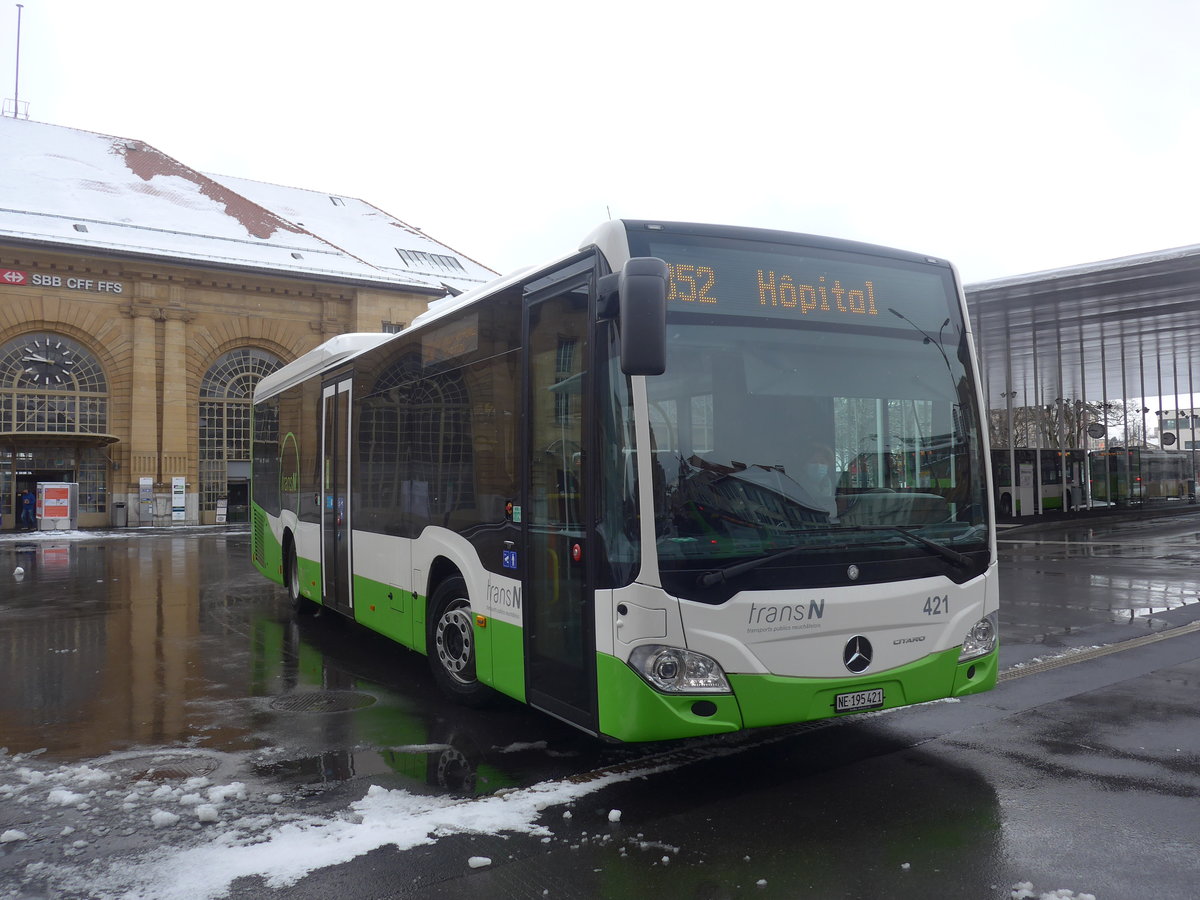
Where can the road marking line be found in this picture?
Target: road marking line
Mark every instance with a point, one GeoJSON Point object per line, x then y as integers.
{"type": "Point", "coordinates": [1072, 657]}
{"type": "Point", "coordinates": [1065, 543]}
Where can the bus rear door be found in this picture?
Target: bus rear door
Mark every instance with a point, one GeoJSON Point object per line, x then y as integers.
{"type": "Point", "coordinates": [335, 495]}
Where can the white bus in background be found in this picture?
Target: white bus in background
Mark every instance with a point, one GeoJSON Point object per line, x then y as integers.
{"type": "Point", "coordinates": [1047, 480]}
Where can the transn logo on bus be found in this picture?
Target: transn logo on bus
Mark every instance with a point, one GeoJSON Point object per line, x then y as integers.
{"type": "Point", "coordinates": [770, 614]}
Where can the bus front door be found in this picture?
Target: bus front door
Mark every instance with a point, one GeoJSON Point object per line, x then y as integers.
{"type": "Point", "coordinates": [559, 629]}
{"type": "Point", "coordinates": [335, 495]}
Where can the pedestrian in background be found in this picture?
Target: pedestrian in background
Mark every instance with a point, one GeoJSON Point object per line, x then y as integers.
{"type": "Point", "coordinates": [26, 519]}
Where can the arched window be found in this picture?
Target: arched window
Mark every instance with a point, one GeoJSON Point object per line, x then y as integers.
{"type": "Point", "coordinates": [225, 395]}
{"type": "Point", "coordinates": [51, 385]}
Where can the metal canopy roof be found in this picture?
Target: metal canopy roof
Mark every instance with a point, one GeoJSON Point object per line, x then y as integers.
{"type": "Point", "coordinates": [1121, 329]}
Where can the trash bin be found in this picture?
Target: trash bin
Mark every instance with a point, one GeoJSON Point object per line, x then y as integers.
{"type": "Point", "coordinates": [120, 515]}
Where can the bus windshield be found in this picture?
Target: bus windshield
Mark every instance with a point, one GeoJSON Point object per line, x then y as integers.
{"type": "Point", "coordinates": [837, 436]}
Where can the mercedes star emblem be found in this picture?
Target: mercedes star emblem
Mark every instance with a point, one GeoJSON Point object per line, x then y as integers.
{"type": "Point", "coordinates": [857, 655]}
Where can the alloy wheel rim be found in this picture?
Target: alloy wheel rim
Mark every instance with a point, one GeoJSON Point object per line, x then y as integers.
{"type": "Point", "coordinates": [455, 641]}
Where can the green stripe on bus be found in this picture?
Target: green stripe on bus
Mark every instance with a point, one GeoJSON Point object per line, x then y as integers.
{"type": "Point", "coordinates": [266, 553]}
{"type": "Point", "coordinates": [778, 700]}
{"type": "Point", "coordinates": [400, 615]}
{"type": "Point", "coordinates": [630, 710]}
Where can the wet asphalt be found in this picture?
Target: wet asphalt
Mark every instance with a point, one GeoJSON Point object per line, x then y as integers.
{"type": "Point", "coordinates": [154, 657]}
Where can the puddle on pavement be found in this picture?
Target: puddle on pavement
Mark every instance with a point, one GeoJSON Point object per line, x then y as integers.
{"type": "Point", "coordinates": [156, 645]}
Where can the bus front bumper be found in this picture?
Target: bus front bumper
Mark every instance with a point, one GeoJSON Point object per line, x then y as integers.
{"type": "Point", "coordinates": [631, 710]}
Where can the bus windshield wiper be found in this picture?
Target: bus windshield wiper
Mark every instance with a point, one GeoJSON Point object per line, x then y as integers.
{"type": "Point", "coordinates": [708, 579]}
{"type": "Point", "coordinates": [959, 559]}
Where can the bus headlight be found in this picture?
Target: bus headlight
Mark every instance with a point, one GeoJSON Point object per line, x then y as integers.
{"type": "Point", "coordinates": [675, 671]}
{"type": "Point", "coordinates": [981, 639]}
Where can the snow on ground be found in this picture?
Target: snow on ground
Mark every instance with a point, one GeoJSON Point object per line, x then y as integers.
{"type": "Point", "coordinates": [109, 534]}
{"type": "Point", "coordinates": [193, 839]}
{"type": "Point", "coordinates": [105, 831]}
{"type": "Point", "coordinates": [1024, 891]}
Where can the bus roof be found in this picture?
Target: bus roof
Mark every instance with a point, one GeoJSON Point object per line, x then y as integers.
{"type": "Point", "coordinates": [609, 237]}
{"type": "Point", "coordinates": [603, 238]}
{"type": "Point", "coordinates": [328, 355]}
{"type": "Point", "coordinates": [612, 240]}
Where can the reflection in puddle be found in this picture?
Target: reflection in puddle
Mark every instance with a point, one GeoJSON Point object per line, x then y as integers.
{"type": "Point", "coordinates": [445, 768]}
{"type": "Point", "coordinates": [1053, 587]}
{"type": "Point", "coordinates": [173, 642]}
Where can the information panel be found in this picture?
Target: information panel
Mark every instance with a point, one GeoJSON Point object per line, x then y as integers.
{"type": "Point", "coordinates": [146, 500]}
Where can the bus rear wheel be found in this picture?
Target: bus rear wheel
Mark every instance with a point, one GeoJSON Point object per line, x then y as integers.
{"type": "Point", "coordinates": [291, 579]}
{"type": "Point", "coordinates": [451, 644]}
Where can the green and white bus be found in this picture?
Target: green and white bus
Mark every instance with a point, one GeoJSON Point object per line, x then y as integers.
{"type": "Point", "coordinates": [618, 486]}
{"type": "Point", "coordinates": [1047, 480]}
{"type": "Point", "coordinates": [1141, 475]}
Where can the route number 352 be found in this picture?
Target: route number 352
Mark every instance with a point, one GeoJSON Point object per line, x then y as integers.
{"type": "Point", "coordinates": [936, 606]}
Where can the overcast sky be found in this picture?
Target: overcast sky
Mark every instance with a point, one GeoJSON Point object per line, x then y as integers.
{"type": "Point", "coordinates": [1007, 137]}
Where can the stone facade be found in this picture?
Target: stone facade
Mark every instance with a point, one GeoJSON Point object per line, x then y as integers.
{"type": "Point", "coordinates": [162, 335]}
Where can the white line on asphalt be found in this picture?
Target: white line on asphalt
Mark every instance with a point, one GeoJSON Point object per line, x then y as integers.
{"type": "Point", "coordinates": [1083, 655]}
{"type": "Point", "coordinates": [1065, 543]}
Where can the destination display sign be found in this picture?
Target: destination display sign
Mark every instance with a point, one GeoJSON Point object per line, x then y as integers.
{"type": "Point", "coordinates": [780, 282]}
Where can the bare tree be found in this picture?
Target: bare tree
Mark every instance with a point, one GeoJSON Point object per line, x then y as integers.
{"type": "Point", "coordinates": [1063, 424]}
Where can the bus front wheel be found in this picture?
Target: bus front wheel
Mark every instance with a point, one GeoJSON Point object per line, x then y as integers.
{"type": "Point", "coordinates": [451, 644]}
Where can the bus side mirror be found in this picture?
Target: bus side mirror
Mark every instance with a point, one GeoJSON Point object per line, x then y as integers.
{"type": "Point", "coordinates": [642, 297]}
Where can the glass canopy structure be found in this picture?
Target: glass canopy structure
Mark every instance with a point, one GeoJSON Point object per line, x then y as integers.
{"type": "Point", "coordinates": [1095, 357]}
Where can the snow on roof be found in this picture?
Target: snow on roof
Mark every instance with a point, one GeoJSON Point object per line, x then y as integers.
{"type": "Point", "coordinates": [91, 191]}
{"type": "Point", "coordinates": [377, 238]}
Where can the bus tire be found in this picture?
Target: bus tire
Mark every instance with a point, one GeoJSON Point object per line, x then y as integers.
{"type": "Point", "coordinates": [291, 577]}
{"type": "Point", "coordinates": [451, 644]}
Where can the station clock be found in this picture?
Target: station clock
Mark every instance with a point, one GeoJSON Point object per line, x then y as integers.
{"type": "Point", "coordinates": [48, 363]}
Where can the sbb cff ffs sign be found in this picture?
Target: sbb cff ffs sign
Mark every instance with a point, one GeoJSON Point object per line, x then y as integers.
{"type": "Point", "coordinates": [71, 283]}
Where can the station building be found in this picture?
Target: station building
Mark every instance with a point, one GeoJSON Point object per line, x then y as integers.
{"type": "Point", "coordinates": [1100, 360]}
{"type": "Point", "coordinates": [141, 301]}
